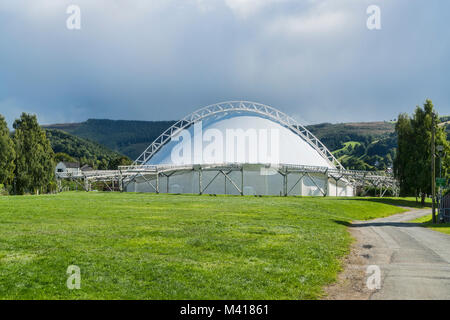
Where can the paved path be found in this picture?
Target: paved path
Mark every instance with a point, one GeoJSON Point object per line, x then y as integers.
{"type": "Point", "coordinates": [414, 261]}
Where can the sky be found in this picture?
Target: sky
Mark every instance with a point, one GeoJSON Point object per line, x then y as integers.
{"type": "Point", "coordinates": [315, 60]}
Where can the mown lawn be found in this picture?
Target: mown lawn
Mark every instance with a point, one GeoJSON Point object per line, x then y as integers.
{"type": "Point", "coordinates": [146, 246]}
{"type": "Point", "coordinates": [427, 221]}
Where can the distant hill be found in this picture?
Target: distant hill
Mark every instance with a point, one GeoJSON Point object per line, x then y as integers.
{"type": "Point", "coordinates": [126, 137]}
{"type": "Point", "coordinates": [333, 135]}
{"type": "Point", "coordinates": [82, 150]}
{"type": "Point", "coordinates": [359, 145]}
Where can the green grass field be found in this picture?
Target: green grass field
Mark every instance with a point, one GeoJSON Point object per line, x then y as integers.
{"type": "Point", "coordinates": [146, 246]}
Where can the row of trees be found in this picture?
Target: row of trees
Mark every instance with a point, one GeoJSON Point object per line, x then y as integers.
{"type": "Point", "coordinates": [26, 157]}
{"type": "Point", "coordinates": [412, 164]}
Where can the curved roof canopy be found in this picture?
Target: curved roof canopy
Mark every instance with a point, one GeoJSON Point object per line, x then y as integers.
{"type": "Point", "coordinates": [245, 120]}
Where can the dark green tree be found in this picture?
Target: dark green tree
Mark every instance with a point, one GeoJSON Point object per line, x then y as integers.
{"type": "Point", "coordinates": [119, 161]}
{"type": "Point", "coordinates": [34, 156]}
{"type": "Point", "coordinates": [412, 164]}
{"type": "Point", "coordinates": [353, 163]}
{"type": "Point", "coordinates": [7, 154]}
{"type": "Point", "coordinates": [64, 157]}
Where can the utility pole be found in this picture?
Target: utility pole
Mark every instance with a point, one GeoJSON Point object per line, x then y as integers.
{"type": "Point", "coordinates": [433, 171]}
{"type": "Point", "coordinates": [441, 153]}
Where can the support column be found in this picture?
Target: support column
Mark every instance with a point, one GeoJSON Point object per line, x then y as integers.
{"type": "Point", "coordinates": [200, 181]}
{"type": "Point", "coordinates": [363, 192]}
{"type": "Point", "coordinates": [337, 185]}
{"type": "Point", "coordinates": [326, 183]}
{"type": "Point", "coordinates": [120, 182]}
{"type": "Point", "coordinates": [242, 180]}
{"type": "Point", "coordinates": [157, 182]}
{"type": "Point", "coordinates": [301, 185]}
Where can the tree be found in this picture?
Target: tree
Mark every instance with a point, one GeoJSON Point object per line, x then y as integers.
{"type": "Point", "coordinates": [34, 156]}
{"type": "Point", "coordinates": [7, 154]}
{"type": "Point", "coordinates": [353, 163]}
{"type": "Point", "coordinates": [412, 164]}
{"type": "Point", "coordinates": [64, 157]}
{"type": "Point", "coordinates": [119, 161]}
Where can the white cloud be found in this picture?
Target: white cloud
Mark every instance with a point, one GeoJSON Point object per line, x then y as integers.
{"type": "Point", "coordinates": [246, 8]}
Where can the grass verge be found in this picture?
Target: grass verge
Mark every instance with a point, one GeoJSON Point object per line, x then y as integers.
{"type": "Point", "coordinates": [426, 222]}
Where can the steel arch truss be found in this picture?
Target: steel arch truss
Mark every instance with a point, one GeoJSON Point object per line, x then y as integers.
{"type": "Point", "coordinates": [233, 106]}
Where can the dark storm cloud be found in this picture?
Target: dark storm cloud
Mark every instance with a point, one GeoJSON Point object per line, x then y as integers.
{"type": "Point", "coordinates": [161, 59]}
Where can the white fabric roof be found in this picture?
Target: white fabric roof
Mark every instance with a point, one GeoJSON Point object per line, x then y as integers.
{"type": "Point", "coordinates": [263, 141]}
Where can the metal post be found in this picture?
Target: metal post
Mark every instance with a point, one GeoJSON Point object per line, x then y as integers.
{"type": "Point", "coordinates": [337, 187]}
{"type": "Point", "coordinates": [167, 186]}
{"type": "Point", "coordinates": [433, 171]}
{"type": "Point", "coordinates": [440, 149]}
{"type": "Point", "coordinates": [157, 182]}
{"type": "Point", "coordinates": [242, 180]}
{"type": "Point", "coordinates": [440, 190]}
{"type": "Point", "coordinates": [200, 180]}
{"type": "Point", "coordinates": [363, 185]}
{"type": "Point", "coordinates": [301, 185]}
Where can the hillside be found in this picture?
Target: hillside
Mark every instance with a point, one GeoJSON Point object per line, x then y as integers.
{"type": "Point", "coordinates": [126, 137]}
{"type": "Point", "coordinates": [333, 135]}
{"type": "Point", "coordinates": [82, 150]}
{"type": "Point", "coordinates": [359, 145]}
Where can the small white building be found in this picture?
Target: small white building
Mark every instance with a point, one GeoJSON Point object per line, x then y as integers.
{"type": "Point", "coordinates": [68, 167]}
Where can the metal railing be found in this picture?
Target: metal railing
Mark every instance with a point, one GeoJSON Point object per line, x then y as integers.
{"type": "Point", "coordinates": [127, 174]}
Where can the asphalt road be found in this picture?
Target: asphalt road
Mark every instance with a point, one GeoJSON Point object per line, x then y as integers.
{"type": "Point", "coordinates": [414, 261]}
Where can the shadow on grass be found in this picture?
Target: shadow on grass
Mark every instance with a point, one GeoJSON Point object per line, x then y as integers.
{"type": "Point", "coordinates": [378, 224]}
{"type": "Point", "coordinates": [435, 225]}
{"type": "Point", "coordinates": [430, 224]}
{"type": "Point", "coordinates": [393, 201]}
{"type": "Point", "coordinates": [344, 223]}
